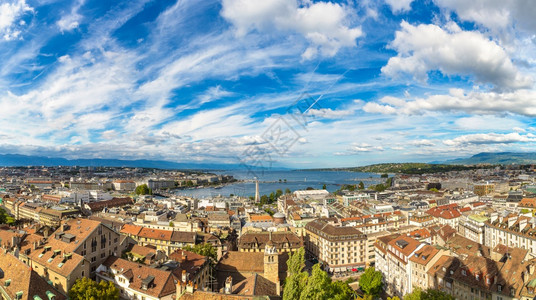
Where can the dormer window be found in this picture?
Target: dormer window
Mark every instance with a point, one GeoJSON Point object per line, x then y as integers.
{"type": "Point", "coordinates": [499, 288]}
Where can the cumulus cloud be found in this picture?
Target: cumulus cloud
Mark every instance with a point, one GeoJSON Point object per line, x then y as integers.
{"type": "Point", "coordinates": [520, 102]}
{"type": "Point", "coordinates": [357, 148]}
{"type": "Point", "coordinates": [426, 48]}
{"type": "Point", "coordinates": [398, 6]}
{"type": "Point", "coordinates": [490, 138]}
{"type": "Point", "coordinates": [422, 143]}
{"type": "Point", "coordinates": [495, 15]}
{"type": "Point", "coordinates": [324, 24]}
{"type": "Point", "coordinates": [10, 14]}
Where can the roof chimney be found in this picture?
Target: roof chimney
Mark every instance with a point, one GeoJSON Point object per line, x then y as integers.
{"type": "Point", "coordinates": [228, 285]}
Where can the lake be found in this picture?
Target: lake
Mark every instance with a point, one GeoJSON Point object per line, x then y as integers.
{"type": "Point", "coordinates": [295, 180]}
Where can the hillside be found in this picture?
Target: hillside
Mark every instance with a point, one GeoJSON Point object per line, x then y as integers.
{"type": "Point", "coordinates": [405, 168]}
{"type": "Point", "coordinates": [496, 158]}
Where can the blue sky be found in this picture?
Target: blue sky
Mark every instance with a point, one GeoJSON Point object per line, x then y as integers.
{"type": "Point", "coordinates": [294, 83]}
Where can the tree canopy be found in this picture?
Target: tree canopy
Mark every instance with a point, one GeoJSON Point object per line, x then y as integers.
{"type": "Point", "coordinates": [87, 289]}
{"type": "Point", "coordinates": [143, 189]}
{"type": "Point", "coordinates": [371, 281]}
{"type": "Point", "coordinates": [429, 294]}
{"type": "Point", "coordinates": [299, 285]}
{"type": "Point", "coordinates": [204, 249]}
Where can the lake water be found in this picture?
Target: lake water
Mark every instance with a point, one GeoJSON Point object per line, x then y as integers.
{"type": "Point", "coordinates": [295, 180]}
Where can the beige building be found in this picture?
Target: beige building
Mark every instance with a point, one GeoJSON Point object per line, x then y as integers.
{"type": "Point", "coordinates": [285, 241]}
{"type": "Point", "coordinates": [89, 239]}
{"type": "Point", "coordinates": [421, 262]}
{"type": "Point", "coordinates": [338, 248]}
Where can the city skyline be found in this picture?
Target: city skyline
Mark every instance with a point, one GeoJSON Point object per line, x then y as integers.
{"type": "Point", "coordinates": [214, 81]}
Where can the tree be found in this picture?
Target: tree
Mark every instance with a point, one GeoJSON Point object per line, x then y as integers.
{"type": "Point", "coordinates": [318, 285]}
{"type": "Point", "coordinates": [143, 190]}
{"type": "Point", "coordinates": [309, 188]}
{"type": "Point", "coordinates": [361, 185]}
{"type": "Point", "coordinates": [287, 191]}
{"type": "Point", "coordinates": [171, 224]}
{"type": "Point", "coordinates": [204, 249]}
{"type": "Point", "coordinates": [384, 175]}
{"type": "Point", "coordinates": [87, 289]}
{"type": "Point", "coordinates": [3, 216]}
{"type": "Point", "coordinates": [429, 294]}
{"type": "Point", "coordinates": [299, 285]}
{"type": "Point", "coordinates": [393, 298]}
{"type": "Point", "coordinates": [324, 187]}
{"type": "Point", "coordinates": [371, 281]}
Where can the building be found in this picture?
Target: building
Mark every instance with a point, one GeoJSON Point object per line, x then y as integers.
{"type": "Point", "coordinates": [50, 259]}
{"type": "Point", "coordinates": [137, 281]}
{"type": "Point", "coordinates": [285, 241]}
{"type": "Point", "coordinates": [421, 262]}
{"type": "Point", "coordinates": [472, 227]}
{"type": "Point", "coordinates": [483, 189]}
{"type": "Point", "coordinates": [19, 281]}
{"type": "Point", "coordinates": [338, 248]}
{"type": "Point", "coordinates": [395, 263]}
{"type": "Point", "coordinates": [90, 239]}
{"type": "Point", "coordinates": [124, 185]}
{"type": "Point", "coordinates": [446, 214]}
{"type": "Point", "coordinates": [236, 269]}
{"type": "Point", "coordinates": [158, 184]}
{"type": "Point", "coordinates": [511, 230]}
{"type": "Point", "coordinates": [166, 240]}
{"type": "Point", "coordinates": [193, 268]}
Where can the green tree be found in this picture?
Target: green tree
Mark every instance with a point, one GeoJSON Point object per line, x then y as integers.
{"type": "Point", "coordinates": [299, 285]}
{"type": "Point", "coordinates": [324, 187]}
{"type": "Point", "coordinates": [287, 191]}
{"type": "Point", "coordinates": [278, 193]}
{"type": "Point", "coordinates": [361, 185]}
{"type": "Point", "coordinates": [171, 224]}
{"type": "Point", "coordinates": [3, 216]}
{"type": "Point", "coordinates": [143, 189]}
{"type": "Point", "coordinates": [384, 175]}
{"type": "Point", "coordinates": [433, 190]}
{"type": "Point", "coordinates": [429, 294]}
{"type": "Point", "coordinates": [309, 188]}
{"type": "Point", "coordinates": [204, 249]}
{"type": "Point", "coordinates": [87, 289]}
{"type": "Point", "coordinates": [371, 281]}
{"type": "Point", "coordinates": [318, 285]}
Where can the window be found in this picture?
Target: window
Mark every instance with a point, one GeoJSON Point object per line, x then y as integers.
{"type": "Point", "coordinates": [93, 259]}
{"type": "Point", "coordinates": [103, 254]}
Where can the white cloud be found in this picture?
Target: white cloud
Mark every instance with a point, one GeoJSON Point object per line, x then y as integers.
{"type": "Point", "coordinates": [489, 138]}
{"type": "Point", "coordinates": [10, 13]}
{"type": "Point", "coordinates": [357, 148]}
{"type": "Point", "coordinates": [520, 102]}
{"type": "Point", "coordinates": [212, 94]}
{"type": "Point", "coordinates": [489, 122]}
{"type": "Point", "coordinates": [422, 143]}
{"type": "Point", "coordinates": [496, 15]}
{"type": "Point", "coordinates": [323, 24]}
{"type": "Point", "coordinates": [426, 48]}
{"type": "Point", "coordinates": [398, 6]}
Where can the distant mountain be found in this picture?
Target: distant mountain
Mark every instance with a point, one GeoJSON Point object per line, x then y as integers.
{"type": "Point", "coordinates": [15, 160]}
{"type": "Point", "coordinates": [496, 158]}
{"type": "Point", "coordinates": [405, 168]}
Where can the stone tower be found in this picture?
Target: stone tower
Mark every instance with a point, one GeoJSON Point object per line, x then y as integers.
{"type": "Point", "coordinates": [271, 262]}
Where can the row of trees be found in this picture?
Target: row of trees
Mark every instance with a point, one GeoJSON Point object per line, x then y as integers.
{"type": "Point", "coordinates": [318, 285]}
{"type": "Point", "coordinates": [429, 294]}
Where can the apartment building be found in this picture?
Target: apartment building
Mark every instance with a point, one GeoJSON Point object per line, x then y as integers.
{"type": "Point", "coordinates": [421, 262]}
{"type": "Point", "coordinates": [511, 230]}
{"type": "Point", "coordinates": [165, 240]}
{"type": "Point", "coordinates": [338, 248]}
{"type": "Point", "coordinates": [393, 260]}
{"type": "Point", "coordinates": [446, 214]}
{"type": "Point", "coordinates": [19, 281]}
{"type": "Point", "coordinates": [53, 260]}
{"type": "Point", "coordinates": [89, 239]}
{"type": "Point", "coordinates": [137, 281]}
{"type": "Point", "coordinates": [472, 227]}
